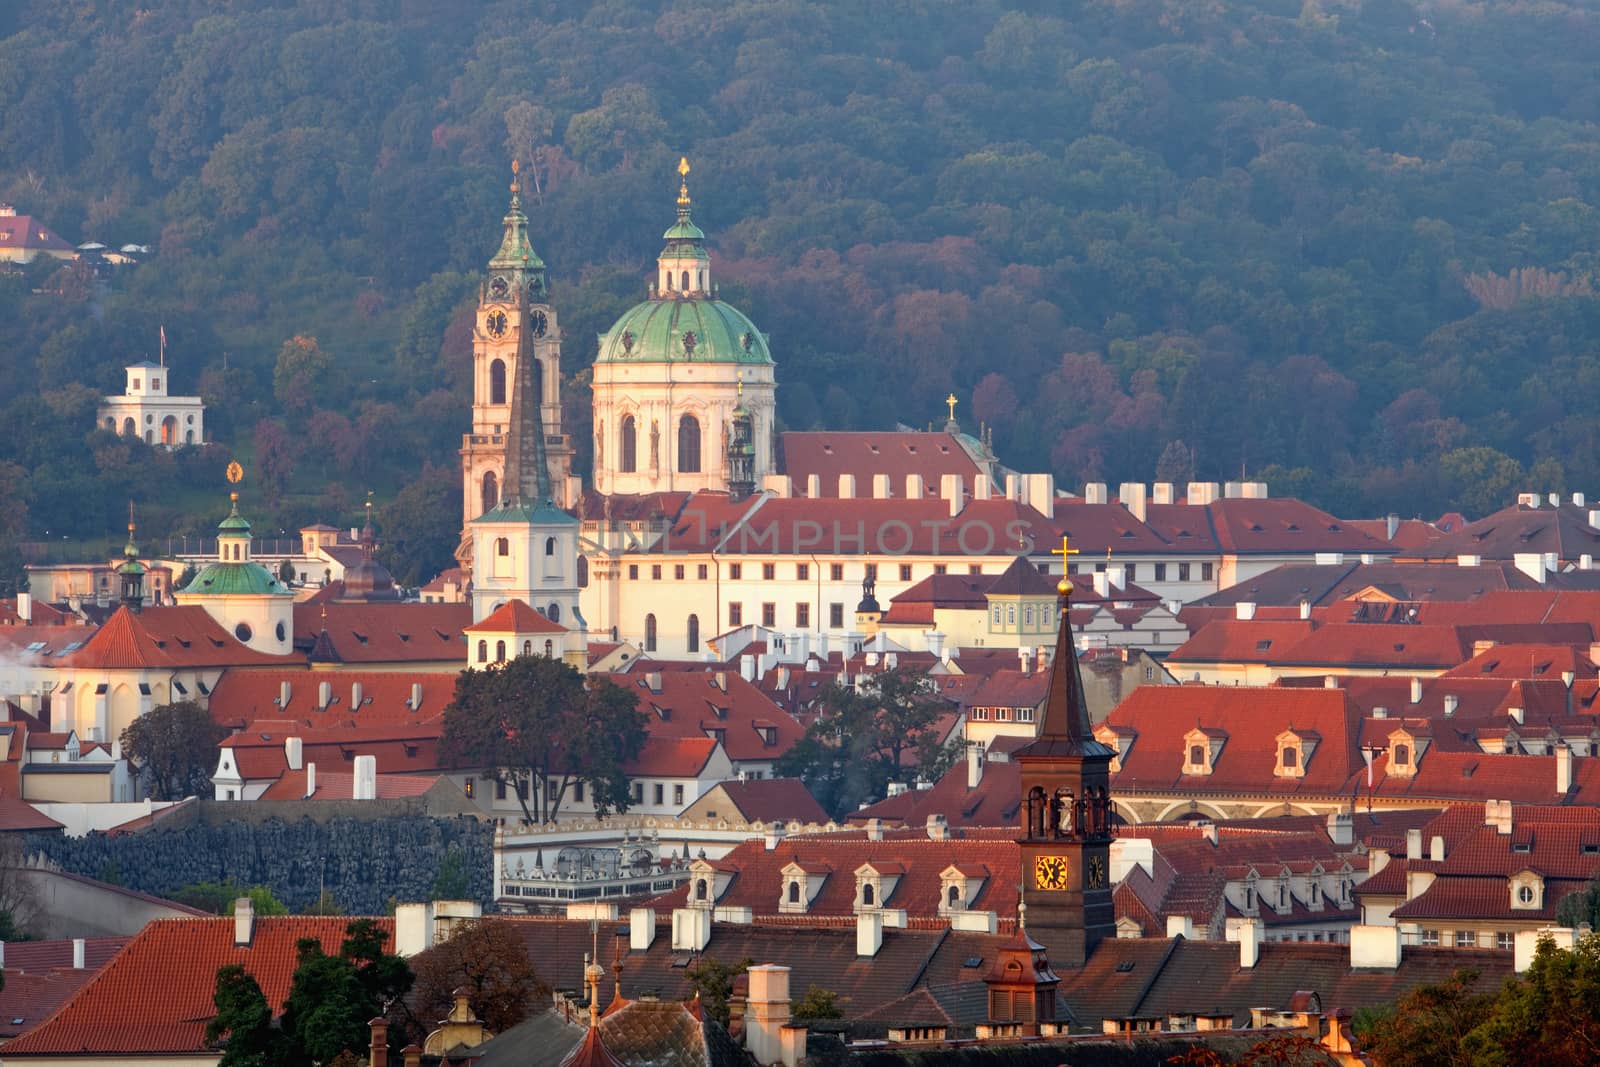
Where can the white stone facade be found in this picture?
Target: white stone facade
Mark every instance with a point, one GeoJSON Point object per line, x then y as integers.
{"type": "Point", "coordinates": [146, 411]}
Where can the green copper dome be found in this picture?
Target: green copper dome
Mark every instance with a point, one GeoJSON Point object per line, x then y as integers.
{"type": "Point", "coordinates": [684, 330]}
{"type": "Point", "coordinates": [235, 579]}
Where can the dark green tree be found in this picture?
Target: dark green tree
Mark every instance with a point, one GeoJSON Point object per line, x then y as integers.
{"type": "Point", "coordinates": [174, 748]}
{"type": "Point", "coordinates": [712, 981]}
{"type": "Point", "coordinates": [243, 1023]}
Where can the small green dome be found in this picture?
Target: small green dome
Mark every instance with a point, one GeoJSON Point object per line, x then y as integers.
{"type": "Point", "coordinates": [235, 524]}
{"type": "Point", "coordinates": [684, 330]}
{"type": "Point", "coordinates": [235, 579]}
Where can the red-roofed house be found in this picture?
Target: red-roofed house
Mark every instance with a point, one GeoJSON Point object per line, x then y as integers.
{"type": "Point", "coordinates": [152, 1002]}
{"type": "Point", "coordinates": [23, 238]}
{"type": "Point", "coordinates": [514, 629]}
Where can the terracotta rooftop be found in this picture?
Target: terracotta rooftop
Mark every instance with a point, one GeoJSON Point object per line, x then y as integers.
{"type": "Point", "coordinates": [243, 696]}
{"type": "Point", "coordinates": [828, 454]}
{"type": "Point", "coordinates": [515, 616]}
{"type": "Point", "coordinates": [169, 638]}
{"type": "Point", "coordinates": [386, 633]}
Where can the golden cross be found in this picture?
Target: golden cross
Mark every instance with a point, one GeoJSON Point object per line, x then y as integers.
{"type": "Point", "coordinates": [683, 166]}
{"type": "Point", "coordinates": [683, 181]}
{"type": "Point", "coordinates": [951, 400]}
{"type": "Point", "coordinates": [1065, 550]}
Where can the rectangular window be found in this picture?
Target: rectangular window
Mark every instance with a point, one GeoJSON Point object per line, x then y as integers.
{"type": "Point", "coordinates": [978, 714]}
{"type": "Point", "coordinates": [1430, 937]}
{"type": "Point", "coordinates": [872, 571]}
{"type": "Point", "coordinates": [905, 572]}
{"type": "Point", "coordinates": [1072, 568]}
{"type": "Point", "coordinates": [802, 616]}
{"type": "Point", "coordinates": [974, 568]}
{"type": "Point", "coordinates": [1206, 571]}
{"type": "Point", "coordinates": [1466, 939]}
{"type": "Point", "coordinates": [1099, 568]}
{"type": "Point", "coordinates": [655, 572]}
{"type": "Point", "coordinates": [499, 790]}
{"type": "Point", "coordinates": [701, 572]}
{"type": "Point", "coordinates": [638, 792]}
{"type": "Point", "coordinates": [836, 572]}
{"type": "Point", "coordinates": [633, 572]}
{"type": "Point", "coordinates": [1161, 572]}
{"type": "Point", "coordinates": [577, 792]}
{"type": "Point", "coordinates": [735, 571]}
{"type": "Point", "coordinates": [551, 789]}
{"type": "Point", "coordinates": [1002, 714]}
{"type": "Point", "coordinates": [769, 615]}
{"type": "Point", "coordinates": [1024, 714]}
{"type": "Point", "coordinates": [660, 793]}
{"type": "Point", "coordinates": [835, 616]}
{"type": "Point", "coordinates": [677, 571]}
{"type": "Point", "coordinates": [677, 795]}
{"type": "Point", "coordinates": [1183, 572]}
{"type": "Point", "coordinates": [1505, 941]}
{"type": "Point", "coordinates": [735, 614]}
{"type": "Point", "coordinates": [802, 572]}
{"type": "Point", "coordinates": [469, 787]}
{"type": "Point", "coordinates": [769, 572]}
{"type": "Point", "coordinates": [940, 568]}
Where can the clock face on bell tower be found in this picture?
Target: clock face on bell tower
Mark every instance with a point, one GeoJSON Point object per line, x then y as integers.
{"type": "Point", "coordinates": [1066, 816]}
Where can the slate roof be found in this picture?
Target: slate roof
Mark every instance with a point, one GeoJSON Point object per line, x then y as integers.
{"type": "Point", "coordinates": [1325, 585]}
{"type": "Point", "coordinates": [155, 996]}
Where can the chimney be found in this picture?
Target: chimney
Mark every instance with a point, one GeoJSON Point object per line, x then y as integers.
{"type": "Point", "coordinates": [1380, 712]}
{"type": "Point", "coordinates": [982, 487]}
{"type": "Point", "coordinates": [25, 608]}
{"type": "Point", "coordinates": [1414, 843]}
{"type": "Point", "coordinates": [364, 785]}
{"type": "Point", "coordinates": [1202, 493]}
{"type": "Point", "coordinates": [1305, 610]}
{"type": "Point", "coordinates": [653, 680]}
{"type": "Point", "coordinates": [1161, 493]}
{"type": "Point", "coordinates": [1341, 828]}
{"type": "Point", "coordinates": [1132, 495]}
{"type": "Point", "coordinates": [813, 485]}
{"type": "Point", "coordinates": [1436, 848]}
{"type": "Point", "coordinates": [1374, 948]}
{"type": "Point", "coordinates": [1391, 526]}
{"type": "Point", "coordinates": [292, 752]}
{"type": "Point", "coordinates": [869, 933]}
{"type": "Point", "coordinates": [641, 929]}
{"type": "Point", "coordinates": [1563, 768]}
{"type": "Point", "coordinates": [775, 834]}
{"type": "Point", "coordinates": [1102, 585]}
{"type": "Point", "coordinates": [1232, 490]}
{"type": "Point", "coordinates": [1586, 562]}
{"type": "Point", "coordinates": [1468, 560]}
{"type": "Point", "coordinates": [938, 829]}
{"type": "Point", "coordinates": [936, 642]}
{"type": "Point", "coordinates": [1249, 937]}
{"type": "Point", "coordinates": [311, 780]}
{"type": "Point", "coordinates": [379, 1053]}
{"type": "Point", "coordinates": [874, 829]}
{"type": "Point", "coordinates": [1578, 500]}
{"type": "Point", "coordinates": [355, 696]}
{"type": "Point", "coordinates": [1416, 690]}
{"type": "Point", "coordinates": [1529, 563]}
{"type": "Point", "coordinates": [1451, 702]}
{"type": "Point", "coordinates": [1594, 518]}
{"type": "Point", "coordinates": [747, 668]}
{"type": "Point", "coordinates": [77, 954]}
{"type": "Point", "coordinates": [691, 929]}
{"type": "Point", "coordinates": [244, 921]}
{"type": "Point", "coordinates": [324, 695]}
{"type": "Point", "coordinates": [1330, 681]}
{"type": "Point", "coordinates": [881, 487]}
{"type": "Point", "coordinates": [1025, 659]}
{"type": "Point", "coordinates": [847, 486]}
{"type": "Point", "coordinates": [1244, 610]}
{"type": "Point", "coordinates": [974, 765]}
{"type": "Point", "coordinates": [1180, 926]}
{"type": "Point", "coordinates": [1497, 813]}
{"type": "Point", "coordinates": [1095, 493]}
{"type": "Point", "coordinates": [416, 696]}
{"type": "Point", "coordinates": [283, 694]}
{"type": "Point", "coordinates": [720, 678]}
{"type": "Point", "coordinates": [412, 1055]}
{"type": "Point", "coordinates": [915, 490]}
{"type": "Point", "coordinates": [1516, 714]}
{"type": "Point", "coordinates": [766, 1014]}
{"type": "Point", "coordinates": [954, 491]}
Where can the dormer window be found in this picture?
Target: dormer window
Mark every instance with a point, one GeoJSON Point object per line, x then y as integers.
{"type": "Point", "coordinates": [1402, 756]}
{"type": "Point", "coordinates": [869, 896]}
{"type": "Point", "coordinates": [1527, 891]}
{"type": "Point", "coordinates": [1295, 748]}
{"type": "Point", "coordinates": [1201, 748]}
{"type": "Point", "coordinates": [1290, 758]}
{"type": "Point", "coordinates": [794, 891]}
{"type": "Point", "coordinates": [801, 884]}
{"type": "Point", "coordinates": [1197, 755]}
{"type": "Point", "coordinates": [702, 891]}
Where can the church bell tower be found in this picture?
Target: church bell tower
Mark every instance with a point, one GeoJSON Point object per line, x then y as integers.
{"type": "Point", "coordinates": [1066, 815]}
{"type": "Point", "coordinates": [513, 308]}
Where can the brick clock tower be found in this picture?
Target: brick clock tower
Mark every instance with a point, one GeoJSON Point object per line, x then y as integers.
{"type": "Point", "coordinates": [514, 317]}
{"type": "Point", "coordinates": [1066, 816]}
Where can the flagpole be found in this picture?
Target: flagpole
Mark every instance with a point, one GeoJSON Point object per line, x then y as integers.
{"type": "Point", "coordinates": [163, 329]}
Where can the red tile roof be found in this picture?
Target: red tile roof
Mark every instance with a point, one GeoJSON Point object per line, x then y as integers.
{"type": "Point", "coordinates": [828, 454]}
{"type": "Point", "coordinates": [386, 633]}
{"type": "Point", "coordinates": [243, 696]}
{"type": "Point", "coordinates": [155, 996]}
{"type": "Point", "coordinates": [771, 799]}
{"type": "Point", "coordinates": [258, 750]}
{"type": "Point", "coordinates": [516, 617]}
{"type": "Point", "coordinates": [167, 638]}
{"type": "Point", "coordinates": [27, 232]}
{"type": "Point", "coordinates": [43, 614]}
{"type": "Point", "coordinates": [696, 702]}
{"type": "Point", "coordinates": [672, 757]}
{"type": "Point", "coordinates": [339, 785]}
{"type": "Point", "coordinates": [1564, 531]}
{"type": "Point", "coordinates": [1097, 527]}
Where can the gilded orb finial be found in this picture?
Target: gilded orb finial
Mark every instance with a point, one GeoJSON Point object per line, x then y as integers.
{"type": "Point", "coordinates": [516, 186]}
{"type": "Point", "coordinates": [1066, 552]}
{"type": "Point", "coordinates": [683, 181]}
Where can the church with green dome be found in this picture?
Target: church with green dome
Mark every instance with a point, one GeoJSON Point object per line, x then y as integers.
{"type": "Point", "coordinates": [682, 381]}
{"type": "Point", "coordinates": [244, 597]}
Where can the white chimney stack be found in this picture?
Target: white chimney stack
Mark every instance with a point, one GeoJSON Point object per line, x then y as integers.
{"type": "Point", "coordinates": [1416, 690]}
{"type": "Point", "coordinates": [1305, 610]}
{"type": "Point", "coordinates": [365, 783]}
{"type": "Point", "coordinates": [25, 608]}
{"type": "Point", "coordinates": [283, 694]}
{"type": "Point", "coordinates": [847, 486]}
{"type": "Point", "coordinates": [641, 929]}
{"type": "Point", "coordinates": [244, 921]}
{"type": "Point", "coordinates": [77, 954]}
{"type": "Point", "coordinates": [1244, 610]}
{"type": "Point", "coordinates": [813, 485]}
{"type": "Point", "coordinates": [1249, 936]}
{"type": "Point", "coordinates": [311, 780]}
{"type": "Point", "coordinates": [869, 933]}
{"type": "Point", "coordinates": [1563, 768]}
{"type": "Point", "coordinates": [292, 752]}
{"type": "Point", "coordinates": [1132, 495]}
{"type": "Point", "coordinates": [881, 487]}
{"type": "Point", "coordinates": [324, 695]}
{"type": "Point", "coordinates": [775, 834]}
{"type": "Point", "coordinates": [416, 695]}
{"type": "Point", "coordinates": [974, 765]}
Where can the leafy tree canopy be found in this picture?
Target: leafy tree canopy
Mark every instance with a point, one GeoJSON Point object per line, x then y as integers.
{"type": "Point", "coordinates": [175, 747]}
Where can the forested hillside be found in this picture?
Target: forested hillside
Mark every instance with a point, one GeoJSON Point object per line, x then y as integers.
{"type": "Point", "coordinates": [1346, 247]}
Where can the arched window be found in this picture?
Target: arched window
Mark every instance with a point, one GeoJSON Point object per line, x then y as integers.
{"type": "Point", "coordinates": [794, 892]}
{"type": "Point", "coordinates": [169, 430]}
{"type": "Point", "coordinates": [491, 491]}
{"type": "Point", "coordinates": [111, 425]}
{"type": "Point", "coordinates": [867, 895]}
{"type": "Point", "coordinates": [953, 896]}
{"type": "Point", "coordinates": [686, 281]}
{"type": "Point", "coordinates": [1402, 755]}
{"type": "Point", "coordinates": [497, 382]}
{"type": "Point", "coordinates": [499, 651]}
{"type": "Point", "coordinates": [650, 633]}
{"type": "Point", "coordinates": [702, 281]}
{"type": "Point", "coordinates": [188, 437]}
{"type": "Point", "coordinates": [553, 612]}
{"type": "Point", "coordinates": [527, 648]}
{"type": "Point", "coordinates": [549, 649]}
{"type": "Point", "coordinates": [549, 546]}
{"type": "Point", "coordinates": [630, 445]}
{"type": "Point", "coordinates": [669, 281]}
{"type": "Point", "coordinates": [483, 652]}
{"type": "Point", "coordinates": [700, 889]}
{"type": "Point", "coordinates": [502, 546]}
{"type": "Point", "coordinates": [128, 429]}
{"type": "Point", "coordinates": [583, 572]}
{"type": "Point", "coordinates": [1197, 755]}
{"type": "Point", "coordinates": [689, 445]}
{"type": "Point", "coordinates": [694, 633]}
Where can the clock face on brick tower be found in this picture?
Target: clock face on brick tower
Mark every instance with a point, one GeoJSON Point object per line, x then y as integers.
{"type": "Point", "coordinates": [1051, 872]}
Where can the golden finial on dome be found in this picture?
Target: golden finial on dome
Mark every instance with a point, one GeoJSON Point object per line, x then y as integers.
{"type": "Point", "coordinates": [951, 400]}
{"type": "Point", "coordinates": [235, 472]}
{"type": "Point", "coordinates": [515, 186]}
{"type": "Point", "coordinates": [683, 181]}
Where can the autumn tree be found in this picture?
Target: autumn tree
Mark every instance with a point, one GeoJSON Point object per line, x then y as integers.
{"type": "Point", "coordinates": [489, 959]}
{"type": "Point", "coordinates": [1430, 1024]}
{"type": "Point", "coordinates": [174, 746]}
{"type": "Point", "coordinates": [539, 726]}
{"type": "Point", "coordinates": [712, 981]}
